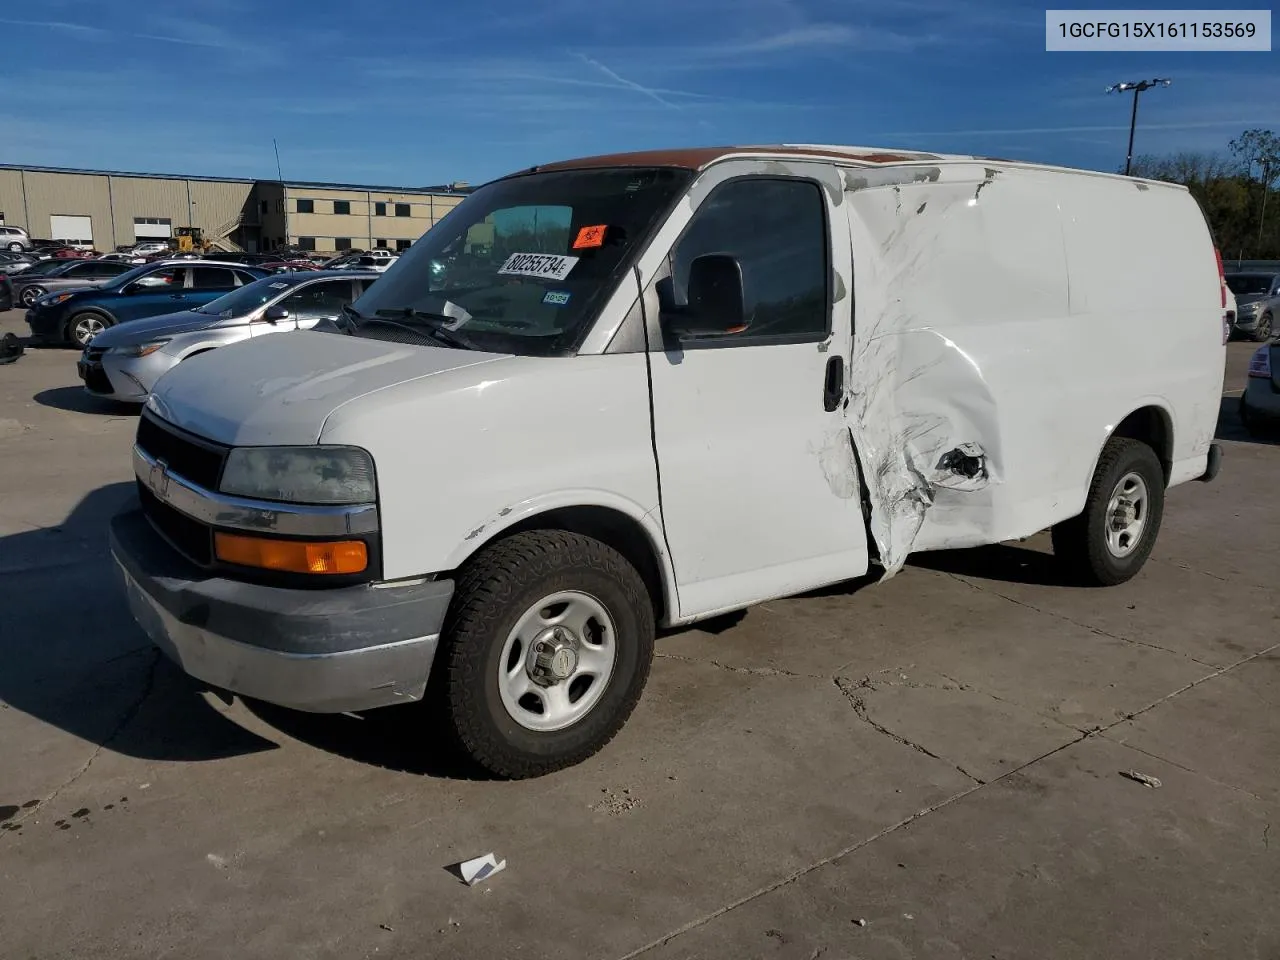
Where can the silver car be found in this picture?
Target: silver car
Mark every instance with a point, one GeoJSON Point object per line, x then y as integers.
{"type": "Point", "coordinates": [1257, 303]}
{"type": "Point", "coordinates": [124, 362]}
{"type": "Point", "coordinates": [14, 239]}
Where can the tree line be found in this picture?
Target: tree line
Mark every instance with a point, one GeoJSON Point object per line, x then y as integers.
{"type": "Point", "coordinates": [1236, 188]}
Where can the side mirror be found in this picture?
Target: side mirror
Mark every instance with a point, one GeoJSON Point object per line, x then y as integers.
{"type": "Point", "coordinates": [716, 301]}
{"type": "Point", "coordinates": [275, 312]}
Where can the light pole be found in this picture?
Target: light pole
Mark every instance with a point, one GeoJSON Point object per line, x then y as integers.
{"type": "Point", "coordinates": [1137, 88]}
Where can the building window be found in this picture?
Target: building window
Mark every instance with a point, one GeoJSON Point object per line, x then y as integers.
{"type": "Point", "coordinates": [152, 228]}
{"type": "Point", "coordinates": [380, 244]}
{"type": "Point", "coordinates": [265, 208]}
{"type": "Point", "coordinates": [402, 210]}
{"type": "Point", "coordinates": [306, 206]}
{"type": "Point", "coordinates": [342, 208]}
{"type": "Point", "coordinates": [307, 243]}
{"type": "Point", "coordinates": [379, 209]}
{"type": "Point", "coordinates": [342, 243]}
{"type": "Point", "coordinates": [403, 244]}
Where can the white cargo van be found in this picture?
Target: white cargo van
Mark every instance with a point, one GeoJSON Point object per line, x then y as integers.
{"type": "Point", "coordinates": [640, 390]}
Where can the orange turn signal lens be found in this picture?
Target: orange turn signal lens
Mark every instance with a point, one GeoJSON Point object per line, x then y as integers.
{"type": "Point", "coordinates": [294, 556]}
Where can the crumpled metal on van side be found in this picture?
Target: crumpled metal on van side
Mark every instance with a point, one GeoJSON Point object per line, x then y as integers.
{"type": "Point", "coordinates": [919, 409]}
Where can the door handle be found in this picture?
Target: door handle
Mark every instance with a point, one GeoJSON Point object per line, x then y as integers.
{"type": "Point", "coordinates": [833, 388]}
{"type": "Point", "coordinates": [177, 296]}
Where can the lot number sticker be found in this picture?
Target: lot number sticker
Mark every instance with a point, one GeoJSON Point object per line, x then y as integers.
{"type": "Point", "coordinates": [544, 266]}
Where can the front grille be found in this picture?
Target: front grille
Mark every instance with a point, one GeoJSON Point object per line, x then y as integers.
{"type": "Point", "coordinates": [190, 537]}
{"type": "Point", "coordinates": [196, 460]}
{"type": "Point", "coordinates": [96, 379]}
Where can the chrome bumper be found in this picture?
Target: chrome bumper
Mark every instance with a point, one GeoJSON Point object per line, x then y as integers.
{"type": "Point", "coordinates": [323, 651]}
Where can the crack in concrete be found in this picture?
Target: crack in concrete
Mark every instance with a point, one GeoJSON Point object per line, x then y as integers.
{"type": "Point", "coordinates": [1180, 766]}
{"type": "Point", "coordinates": [125, 719]}
{"type": "Point", "coordinates": [1266, 837]}
{"type": "Point", "coordinates": [839, 854]}
{"type": "Point", "coordinates": [749, 671]}
{"type": "Point", "coordinates": [893, 828]}
{"type": "Point", "coordinates": [1076, 623]}
{"type": "Point", "coordinates": [849, 688]}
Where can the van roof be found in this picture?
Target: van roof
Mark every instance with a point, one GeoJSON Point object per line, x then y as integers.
{"type": "Point", "coordinates": [699, 158]}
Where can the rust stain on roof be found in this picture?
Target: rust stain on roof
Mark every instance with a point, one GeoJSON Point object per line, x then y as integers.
{"type": "Point", "coordinates": [698, 158]}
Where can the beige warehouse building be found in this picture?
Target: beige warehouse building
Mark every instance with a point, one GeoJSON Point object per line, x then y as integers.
{"type": "Point", "coordinates": [108, 209]}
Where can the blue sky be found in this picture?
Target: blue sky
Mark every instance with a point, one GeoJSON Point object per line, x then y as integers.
{"type": "Point", "coordinates": [392, 92]}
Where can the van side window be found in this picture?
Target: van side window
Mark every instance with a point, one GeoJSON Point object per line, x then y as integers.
{"type": "Point", "coordinates": [778, 231]}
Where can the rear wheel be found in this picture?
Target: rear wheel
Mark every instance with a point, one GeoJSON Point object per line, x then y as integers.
{"type": "Point", "coordinates": [545, 653]}
{"type": "Point", "coordinates": [1109, 542]}
{"type": "Point", "coordinates": [83, 327]}
{"type": "Point", "coordinates": [15, 247]}
{"type": "Point", "coordinates": [1262, 332]}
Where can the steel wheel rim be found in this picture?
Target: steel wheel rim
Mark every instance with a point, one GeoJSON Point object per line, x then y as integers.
{"type": "Point", "coordinates": [557, 661]}
{"type": "Point", "coordinates": [87, 328]}
{"type": "Point", "coordinates": [1127, 515]}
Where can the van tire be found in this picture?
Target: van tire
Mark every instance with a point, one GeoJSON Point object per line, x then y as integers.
{"type": "Point", "coordinates": [494, 590]}
{"type": "Point", "coordinates": [1080, 544]}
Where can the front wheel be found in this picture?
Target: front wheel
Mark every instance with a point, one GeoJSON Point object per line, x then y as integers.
{"type": "Point", "coordinates": [1109, 542]}
{"type": "Point", "coordinates": [31, 294]}
{"type": "Point", "coordinates": [1262, 332]}
{"type": "Point", "coordinates": [83, 327]}
{"type": "Point", "coordinates": [545, 652]}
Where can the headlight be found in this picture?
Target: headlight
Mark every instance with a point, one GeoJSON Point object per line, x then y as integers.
{"type": "Point", "coordinates": [139, 349]}
{"type": "Point", "coordinates": [300, 474]}
{"type": "Point", "coordinates": [57, 298]}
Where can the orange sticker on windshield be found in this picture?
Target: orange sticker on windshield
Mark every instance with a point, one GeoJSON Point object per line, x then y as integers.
{"type": "Point", "coordinates": [590, 237]}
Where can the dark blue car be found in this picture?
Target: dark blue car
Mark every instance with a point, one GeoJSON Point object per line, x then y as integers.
{"type": "Point", "coordinates": [77, 316]}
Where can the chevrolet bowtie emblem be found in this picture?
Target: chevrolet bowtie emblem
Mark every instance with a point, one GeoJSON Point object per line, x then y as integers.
{"type": "Point", "coordinates": [159, 479]}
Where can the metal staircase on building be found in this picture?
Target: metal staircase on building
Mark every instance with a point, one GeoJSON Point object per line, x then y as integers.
{"type": "Point", "coordinates": [220, 239]}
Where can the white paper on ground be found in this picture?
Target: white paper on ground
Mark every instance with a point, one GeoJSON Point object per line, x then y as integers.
{"type": "Point", "coordinates": [481, 868]}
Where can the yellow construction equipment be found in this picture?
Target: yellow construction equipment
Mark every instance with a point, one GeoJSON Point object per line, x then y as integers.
{"type": "Point", "coordinates": [191, 240]}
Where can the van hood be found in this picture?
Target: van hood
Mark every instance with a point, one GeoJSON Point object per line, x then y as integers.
{"type": "Point", "coordinates": [140, 331]}
{"type": "Point", "coordinates": [281, 389]}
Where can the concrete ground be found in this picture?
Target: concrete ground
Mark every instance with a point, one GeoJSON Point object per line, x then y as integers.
{"type": "Point", "coordinates": [932, 767]}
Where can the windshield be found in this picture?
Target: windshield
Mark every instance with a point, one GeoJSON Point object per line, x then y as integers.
{"type": "Point", "coordinates": [1243, 284]}
{"type": "Point", "coordinates": [524, 264]}
{"type": "Point", "coordinates": [246, 299]}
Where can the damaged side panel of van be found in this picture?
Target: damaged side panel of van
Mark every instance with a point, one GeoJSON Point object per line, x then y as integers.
{"type": "Point", "coordinates": [937, 360]}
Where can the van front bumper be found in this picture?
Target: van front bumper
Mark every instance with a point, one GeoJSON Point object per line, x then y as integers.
{"type": "Point", "coordinates": [322, 651]}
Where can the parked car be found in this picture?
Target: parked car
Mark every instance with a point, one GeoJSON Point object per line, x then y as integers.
{"type": "Point", "coordinates": [14, 239]}
{"type": "Point", "coordinates": [123, 363]}
{"type": "Point", "coordinates": [252, 259]}
{"type": "Point", "coordinates": [16, 262]}
{"type": "Point", "coordinates": [738, 414]}
{"type": "Point", "coordinates": [78, 315]}
{"type": "Point", "coordinates": [1257, 303]}
{"type": "Point", "coordinates": [123, 258]}
{"type": "Point", "coordinates": [151, 248]}
{"type": "Point", "coordinates": [1260, 402]}
{"type": "Point", "coordinates": [376, 264]}
{"type": "Point", "coordinates": [75, 274]}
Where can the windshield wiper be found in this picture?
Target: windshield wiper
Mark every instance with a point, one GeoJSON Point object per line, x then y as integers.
{"type": "Point", "coordinates": [435, 325]}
